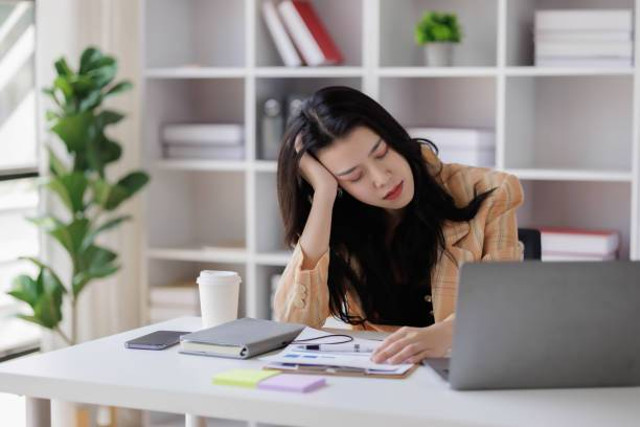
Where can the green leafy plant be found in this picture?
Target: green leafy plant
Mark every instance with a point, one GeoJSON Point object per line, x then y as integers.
{"type": "Point", "coordinates": [79, 181]}
{"type": "Point", "coordinates": [437, 27]}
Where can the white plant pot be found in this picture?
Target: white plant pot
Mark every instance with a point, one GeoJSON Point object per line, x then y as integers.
{"type": "Point", "coordinates": [439, 54]}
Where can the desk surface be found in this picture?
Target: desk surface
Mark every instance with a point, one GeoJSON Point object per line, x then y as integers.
{"type": "Point", "coordinates": [104, 372]}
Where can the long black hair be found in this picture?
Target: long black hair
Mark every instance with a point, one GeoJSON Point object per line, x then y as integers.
{"type": "Point", "coordinates": [389, 277]}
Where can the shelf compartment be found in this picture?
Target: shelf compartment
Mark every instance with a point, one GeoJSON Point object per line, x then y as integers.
{"type": "Point", "coordinates": [520, 23]}
{"type": "Point", "coordinates": [194, 32]}
{"type": "Point", "coordinates": [201, 165]}
{"type": "Point", "coordinates": [443, 102]}
{"type": "Point", "coordinates": [589, 205]}
{"type": "Point", "coordinates": [531, 71]}
{"type": "Point", "coordinates": [342, 19]}
{"type": "Point", "coordinates": [437, 72]}
{"type": "Point", "coordinates": [281, 88]}
{"type": "Point", "coordinates": [197, 210]}
{"type": "Point", "coordinates": [478, 19]}
{"type": "Point", "coordinates": [164, 272]}
{"type": "Point", "coordinates": [189, 101]}
{"type": "Point", "coordinates": [569, 123]}
{"type": "Point", "coordinates": [268, 222]}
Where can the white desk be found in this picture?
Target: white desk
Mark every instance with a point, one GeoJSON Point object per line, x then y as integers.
{"type": "Point", "coordinates": [104, 372]}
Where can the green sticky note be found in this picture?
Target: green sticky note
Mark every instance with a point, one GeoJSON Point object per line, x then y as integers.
{"type": "Point", "coordinates": [248, 378]}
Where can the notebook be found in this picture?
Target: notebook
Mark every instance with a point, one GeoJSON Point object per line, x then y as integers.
{"type": "Point", "coordinates": [240, 338]}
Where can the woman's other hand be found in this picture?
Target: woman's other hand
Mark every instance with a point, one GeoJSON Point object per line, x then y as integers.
{"type": "Point", "coordinates": [411, 345]}
{"type": "Point", "coordinates": [315, 173]}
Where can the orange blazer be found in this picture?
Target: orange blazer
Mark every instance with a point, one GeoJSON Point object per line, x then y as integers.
{"type": "Point", "coordinates": [302, 296]}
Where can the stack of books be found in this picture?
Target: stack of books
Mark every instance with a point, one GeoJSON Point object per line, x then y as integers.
{"type": "Point", "coordinates": [175, 300]}
{"type": "Point", "coordinates": [570, 244]}
{"type": "Point", "coordinates": [299, 35]}
{"type": "Point", "coordinates": [223, 141]}
{"type": "Point", "coordinates": [584, 38]}
{"type": "Point", "coordinates": [473, 147]}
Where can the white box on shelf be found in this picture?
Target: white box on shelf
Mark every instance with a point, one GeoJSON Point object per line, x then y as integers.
{"type": "Point", "coordinates": [474, 147]}
{"type": "Point", "coordinates": [584, 19]}
{"type": "Point", "coordinates": [203, 134]}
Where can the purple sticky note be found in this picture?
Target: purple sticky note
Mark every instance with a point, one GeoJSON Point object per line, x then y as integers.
{"type": "Point", "coordinates": [292, 382]}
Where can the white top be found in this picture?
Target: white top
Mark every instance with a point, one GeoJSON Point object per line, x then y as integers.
{"type": "Point", "coordinates": [104, 372]}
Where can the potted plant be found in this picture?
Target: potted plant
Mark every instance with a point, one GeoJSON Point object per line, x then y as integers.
{"type": "Point", "coordinates": [438, 32]}
{"type": "Point", "coordinates": [79, 181]}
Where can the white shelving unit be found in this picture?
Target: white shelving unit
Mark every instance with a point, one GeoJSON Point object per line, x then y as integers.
{"type": "Point", "coordinates": [571, 135]}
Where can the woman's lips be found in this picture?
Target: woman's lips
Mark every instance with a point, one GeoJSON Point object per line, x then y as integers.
{"type": "Point", "coordinates": [395, 192]}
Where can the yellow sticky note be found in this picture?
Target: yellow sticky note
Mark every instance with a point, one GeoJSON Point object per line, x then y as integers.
{"type": "Point", "coordinates": [248, 378]}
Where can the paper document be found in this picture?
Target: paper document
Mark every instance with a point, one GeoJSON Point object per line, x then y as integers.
{"type": "Point", "coordinates": [292, 356]}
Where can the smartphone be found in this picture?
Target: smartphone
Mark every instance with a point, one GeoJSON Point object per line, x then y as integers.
{"type": "Point", "coordinates": [158, 340]}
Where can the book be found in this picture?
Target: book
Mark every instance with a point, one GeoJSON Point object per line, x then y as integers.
{"type": "Point", "coordinates": [314, 51]}
{"type": "Point", "coordinates": [198, 134]}
{"type": "Point", "coordinates": [581, 49]}
{"type": "Point", "coordinates": [183, 294]}
{"type": "Point", "coordinates": [159, 313]}
{"type": "Point", "coordinates": [557, 61]}
{"type": "Point", "coordinates": [284, 45]}
{"type": "Point", "coordinates": [240, 338]}
{"type": "Point", "coordinates": [199, 152]}
{"type": "Point", "coordinates": [474, 147]}
{"type": "Point", "coordinates": [584, 19]}
{"type": "Point", "coordinates": [248, 378]}
{"type": "Point", "coordinates": [583, 36]}
{"type": "Point", "coordinates": [553, 256]}
{"type": "Point", "coordinates": [579, 241]}
{"type": "Point", "coordinates": [312, 20]}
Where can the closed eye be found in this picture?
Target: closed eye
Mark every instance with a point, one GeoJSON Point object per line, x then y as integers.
{"type": "Point", "coordinates": [384, 152]}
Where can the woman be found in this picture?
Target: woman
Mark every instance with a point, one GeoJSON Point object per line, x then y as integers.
{"type": "Point", "coordinates": [381, 226]}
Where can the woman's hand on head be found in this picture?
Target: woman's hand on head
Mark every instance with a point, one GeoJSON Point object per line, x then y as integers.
{"type": "Point", "coordinates": [315, 173]}
{"type": "Point", "coordinates": [411, 345]}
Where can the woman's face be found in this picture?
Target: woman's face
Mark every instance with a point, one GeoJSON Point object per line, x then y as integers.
{"type": "Point", "coordinates": [370, 170]}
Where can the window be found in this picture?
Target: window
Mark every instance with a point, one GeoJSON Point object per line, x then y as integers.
{"type": "Point", "coordinates": [18, 163]}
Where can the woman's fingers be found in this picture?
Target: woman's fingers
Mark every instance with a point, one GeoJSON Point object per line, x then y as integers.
{"type": "Point", "coordinates": [383, 348]}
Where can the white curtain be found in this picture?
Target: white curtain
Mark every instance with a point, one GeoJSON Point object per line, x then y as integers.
{"type": "Point", "coordinates": [65, 28]}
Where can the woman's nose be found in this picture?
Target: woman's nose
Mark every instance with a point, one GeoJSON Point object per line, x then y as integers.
{"type": "Point", "coordinates": [380, 176]}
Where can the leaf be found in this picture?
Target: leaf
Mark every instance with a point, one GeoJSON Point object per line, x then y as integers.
{"type": "Point", "coordinates": [94, 262]}
{"type": "Point", "coordinates": [46, 222]}
{"type": "Point", "coordinates": [44, 266]}
{"type": "Point", "coordinates": [63, 84]}
{"type": "Point", "coordinates": [90, 56]}
{"type": "Point", "coordinates": [91, 101]}
{"type": "Point", "coordinates": [76, 131]}
{"type": "Point", "coordinates": [70, 188]}
{"type": "Point", "coordinates": [102, 151]}
{"type": "Point", "coordinates": [25, 289]}
{"type": "Point", "coordinates": [89, 240]}
{"type": "Point", "coordinates": [31, 319]}
{"type": "Point", "coordinates": [120, 87]}
{"type": "Point", "coordinates": [51, 115]}
{"type": "Point", "coordinates": [125, 188]}
{"type": "Point", "coordinates": [108, 117]}
{"type": "Point", "coordinates": [56, 166]}
{"type": "Point", "coordinates": [103, 71]}
{"type": "Point", "coordinates": [63, 68]}
{"type": "Point", "coordinates": [82, 85]}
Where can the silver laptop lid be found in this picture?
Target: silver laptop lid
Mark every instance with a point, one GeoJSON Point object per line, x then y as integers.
{"type": "Point", "coordinates": [553, 324]}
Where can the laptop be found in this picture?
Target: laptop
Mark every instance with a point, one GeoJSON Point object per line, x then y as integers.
{"type": "Point", "coordinates": [545, 325]}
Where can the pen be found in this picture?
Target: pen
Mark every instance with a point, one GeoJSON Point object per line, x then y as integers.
{"type": "Point", "coordinates": [337, 348]}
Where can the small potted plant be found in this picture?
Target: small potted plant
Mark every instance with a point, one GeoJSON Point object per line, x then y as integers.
{"type": "Point", "coordinates": [438, 32]}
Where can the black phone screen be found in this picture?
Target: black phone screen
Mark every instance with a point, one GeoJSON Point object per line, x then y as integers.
{"type": "Point", "coordinates": [157, 340]}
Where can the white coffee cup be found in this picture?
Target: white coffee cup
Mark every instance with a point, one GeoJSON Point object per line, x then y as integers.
{"type": "Point", "coordinates": [219, 295]}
